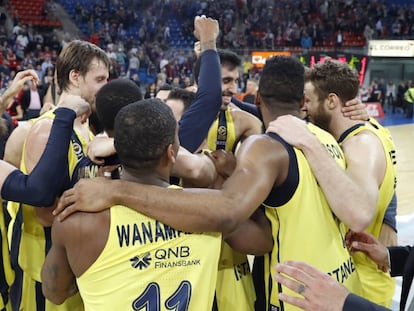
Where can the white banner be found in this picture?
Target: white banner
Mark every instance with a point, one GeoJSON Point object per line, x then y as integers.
{"type": "Point", "coordinates": [391, 48]}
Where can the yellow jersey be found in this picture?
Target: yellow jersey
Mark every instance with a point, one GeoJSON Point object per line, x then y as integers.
{"type": "Point", "coordinates": [30, 241]}
{"type": "Point", "coordinates": [147, 264]}
{"type": "Point", "coordinates": [304, 227]}
{"type": "Point", "coordinates": [377, 285]}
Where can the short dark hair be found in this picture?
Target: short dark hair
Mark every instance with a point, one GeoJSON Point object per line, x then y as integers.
{"type": "Point", "coordinates": [336, 77]}
{"type": "Point", "coordinates": [165, 87]}
{"type": "Point", "coordinates": [187, 97]}
{"type": "Point", "coordinates": [77, 55]}
{"type": "Point", "coordinates": [227, 59]}
{"type": "Point", "coordinates": [112, 97]}
{"type": "Point", "coordinates": [282, 81]}
{"type": "Point", "coordinates": [143, 131]}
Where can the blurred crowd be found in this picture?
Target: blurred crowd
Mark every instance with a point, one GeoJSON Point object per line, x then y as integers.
{"type": "Point", "coordinates": [139, 35]}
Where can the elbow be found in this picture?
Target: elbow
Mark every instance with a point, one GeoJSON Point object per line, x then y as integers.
{"type": "Point", "coordinates": [360, 223]}
{"type": "Point", "coordinates": [227, 223]}
{"type": "Point", "coordinates": [42, 196]}
{"type": "Point", "coordinates": [53, 297]}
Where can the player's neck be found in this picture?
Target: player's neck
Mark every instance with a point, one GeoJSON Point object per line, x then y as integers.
{"type": "Point", "coordinates": [82, 128]}
{"type": "Point", "coordinates": [340, 124]}
{"type": "Point", "coordinates": [145, 177]}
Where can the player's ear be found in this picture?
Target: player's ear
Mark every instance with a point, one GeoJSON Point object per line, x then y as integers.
{"type": "Point", "coordinates": [333, 101]}
{"type": "Point", "coordinates": [171, 153]}
{"type": "Point", "coordinates": [74, 77]}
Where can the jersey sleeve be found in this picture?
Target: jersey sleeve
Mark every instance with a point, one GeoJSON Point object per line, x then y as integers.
{"type": "Point", "coordinates": [44, 183]}
{"type": "Point", "coordinates": [196, 121]}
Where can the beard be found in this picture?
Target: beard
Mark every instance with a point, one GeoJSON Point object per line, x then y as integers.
{"type": "Point", "coordinates": [226, 101]}
{"type": "Point", "coordinates": [321, 119]}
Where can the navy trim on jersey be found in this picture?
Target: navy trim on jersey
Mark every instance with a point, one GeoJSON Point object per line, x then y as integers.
{"type": "Point", "coordinates": [17, 286]}
{"type": "Point", "coordinates": [283, 193]}
{"type": "Point", "coordinates": [348, 131]}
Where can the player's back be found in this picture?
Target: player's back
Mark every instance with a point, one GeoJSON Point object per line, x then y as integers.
{"type": "Point", "coordinates": [147, 263]}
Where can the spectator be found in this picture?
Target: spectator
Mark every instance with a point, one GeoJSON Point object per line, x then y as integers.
{"type": "Point", "coordinates": [151, 91]}
{"type": "Point", "coordinates": [339, 40]}
{"type": "Point", "coordinates": [409, 100]}
{"type": "Point", "coordinates": [368, 33]}
{"type": "Point", "coordinates": [32, 101]}
{"type": "Point", "coordinates": [306, 41]}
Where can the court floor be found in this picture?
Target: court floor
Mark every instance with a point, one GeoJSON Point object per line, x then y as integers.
{"type": "Point", "coordinates": [402, 130]}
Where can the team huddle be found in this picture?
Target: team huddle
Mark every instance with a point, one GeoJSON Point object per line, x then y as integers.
{"type": "Point", "coordinates": [180, 190]}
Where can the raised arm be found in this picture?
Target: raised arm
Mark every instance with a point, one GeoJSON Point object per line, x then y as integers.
{"type": "Point", "coordinates": [16, 85]}
{"type": "Point", "coordinates": [196, 121]}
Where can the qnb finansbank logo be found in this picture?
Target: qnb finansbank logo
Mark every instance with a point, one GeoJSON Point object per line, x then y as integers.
{"type": "Point", "coordinates": [141, 262]}
{"type": "Point", "coordinates": [179, 256]}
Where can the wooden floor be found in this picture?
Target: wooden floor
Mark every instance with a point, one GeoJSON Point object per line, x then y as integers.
{"type": "Point", "coordinates": [403, 136]}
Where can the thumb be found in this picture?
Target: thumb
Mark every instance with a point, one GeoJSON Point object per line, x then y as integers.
{"type": "Point", "coordinates": [25, 79]}
{"type": "Point", "coordinates": [362, 247]}
{"type": "Point", "coordinates": [209, 155]}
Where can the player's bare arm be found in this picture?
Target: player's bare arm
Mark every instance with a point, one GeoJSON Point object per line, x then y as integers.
{"type": "Point", "coordinates": [194, 209]}
{"type": "Point", "coordinates": [58, 280]}
{"type": "Point", "coordinates": [339, 187]}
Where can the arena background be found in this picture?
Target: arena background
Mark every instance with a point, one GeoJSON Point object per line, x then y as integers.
{"type": "Point", "coordinates": [149, 41]}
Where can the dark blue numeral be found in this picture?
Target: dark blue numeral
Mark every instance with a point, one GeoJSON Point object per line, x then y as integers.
{"type": "Point", "coordinates": [150, 298]}
{"type": "Point", "coordinates": [180, 300]}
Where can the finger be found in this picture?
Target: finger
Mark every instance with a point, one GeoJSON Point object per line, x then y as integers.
{"type": "Point", "coordinates": [349, 111]}
{"type": "Point", "coordinates": [27, 73]}
{"type": "Point", "coordinates": [26, 79]}
{"type": "Point", "coordinates": [296, 301]}
{"type": "Point", "coordinates": [272, 128]}
{"type": "Point", "coordinates": [84, 118]}
{"type": "Point", "coordinates": [361, 246]}
{"type": "Point", "coordinates": [98, 160]}
{"type": "Point", "coordinates": [66, 199]}
{"type": "Point", "coordinates": [109, 169]}
{"type": "Point", "coordinates": [291, 284]}
{"type": "Point", "coordinates": [349, 236]}
{"type": "Point", "coordinates": [66, 212]}
{"type": "Point", "coordinates": [210, 155]}
{"type": "Point", "coordinates": [352, 102]}
{"type": "Point", "coordinates": [360, 237]}
{"type": "Point", "coordinates": [302, 271]}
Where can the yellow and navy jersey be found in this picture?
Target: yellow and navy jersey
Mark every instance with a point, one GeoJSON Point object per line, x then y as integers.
{"type": "Point", "coordinates": [235, 288]}
{"type": "Point", "coordinates": [222, 133]}
{"type": "Point", "coordinates": [34, 241]}
{"type": "Point", "coordinates": [377, 286]}
{"type": "Point", "coordinates": [303, 226]}
{"type": "Point", "coordinates": [6, 272]}
{"type": "Point", "coordinates": [30, 241]}
{"type": "Point", "coordinates": [146, 264]}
